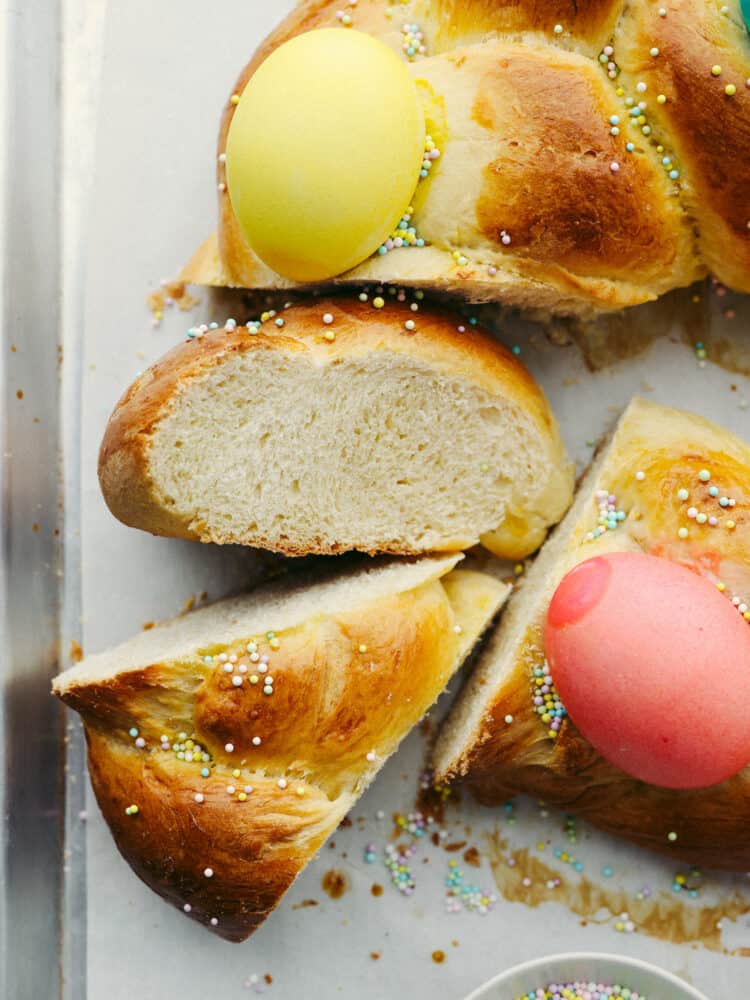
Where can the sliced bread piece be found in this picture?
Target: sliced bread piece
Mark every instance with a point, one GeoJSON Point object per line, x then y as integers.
{"type": "Point", "coordinates": [344, 427]}
{"type": "Point", "coordinates": [227, 744]}
{"type": "Point", "coordinates": [494, 736]}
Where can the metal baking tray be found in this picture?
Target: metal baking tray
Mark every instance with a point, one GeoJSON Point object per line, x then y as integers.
{"type": "Point", "coordinates": [109, 115]}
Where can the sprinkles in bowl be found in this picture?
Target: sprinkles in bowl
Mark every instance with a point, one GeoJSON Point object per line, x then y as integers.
{"type": "Point", "coordinates": [582, 991]}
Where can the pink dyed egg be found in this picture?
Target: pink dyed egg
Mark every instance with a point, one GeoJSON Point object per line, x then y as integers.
{"type": "Point", "coordinates": [652, 664]}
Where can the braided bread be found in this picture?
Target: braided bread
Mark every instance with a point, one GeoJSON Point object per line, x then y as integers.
{"type": "Point", "coordinates": [653, 455]}
{"type": "Point", "coordinates": [348, 427]}
{"type": "Point", "coordinates": [591, 159]}
{"type": "Point", "coordinates": [223, 754]}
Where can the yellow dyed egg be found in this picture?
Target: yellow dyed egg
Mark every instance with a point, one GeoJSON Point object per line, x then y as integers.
{"type": "Point", "coordinates": [324, 152]}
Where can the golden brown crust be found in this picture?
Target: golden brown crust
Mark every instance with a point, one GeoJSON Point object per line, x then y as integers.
{"type": "Point", "coordinates": [344, 705]}
{"type": "Point", "coordinates": [706, 130]}
{"type": "Point", "coordinates": [525, 130]}
{"type": "Point", "coordinates": [500, 760]}
{"type": "Point", "coordinates": [281, 768]}
{"type": "Point", "coordinates": [588, 24]}
{"type": "Point", "coordinates": [255, 849]}
{"type": "Point", "coordinates": [124, 471]}
{"type": "Point", "coordinates": [711, 824]}
{"type": "Point", "coordinates": [583, 240]}
{"type": "Point", "coordinates": [551, 183]}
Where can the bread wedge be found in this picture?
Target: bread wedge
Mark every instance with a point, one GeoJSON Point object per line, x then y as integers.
{"type": "Point", "coordinates": [227, 744]}
{"type": "Point", "coordinates": [577, 175]}
{"type": "Point", "coordinates": [345, 427]}
{"type": "Point", "coordinates": [493, 737]}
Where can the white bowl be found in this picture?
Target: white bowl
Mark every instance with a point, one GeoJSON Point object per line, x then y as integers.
{"type": "Point", "coordinates": [654, 983]}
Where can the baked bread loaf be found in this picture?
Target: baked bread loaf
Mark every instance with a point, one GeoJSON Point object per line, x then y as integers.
{"type": "Point", "coordinates": [340, 429]}
{"type": "Point", "coordinates": [538, 200]}
{"type": "Point", "coordinates": [499, 759]}
{"type": "Point", "coordinates": [226, 745]}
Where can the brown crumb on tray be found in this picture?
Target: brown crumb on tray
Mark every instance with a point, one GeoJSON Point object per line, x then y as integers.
{"type": "Point", "coordinates": [169, 294]}
{"type": "Point", "coordinates": [473, 857]}
{"type": "Point", "coordinates": [335, 883]}
{"type": "Point", "coordinates": [305, 903]}
{"type": "Point", "coordinates": [457, 845]}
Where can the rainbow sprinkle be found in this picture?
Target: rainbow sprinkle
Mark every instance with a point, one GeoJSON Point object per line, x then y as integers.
{"type": "Point", "coordinates": [708, 516]}
{"type": "Point", "coordinates": [253, 667]}
{"type": "Point", "coordinates": [405, 234]}
{"type": "Point", "coordinates": [396, 860]}
{"type": "Point", "coordinates": [462, 895]}
{"type": "Point", "coordinates": [610, 516]}
{"type": "Point", "coordinates": [581, 990]}
{"type": "Point", "coordinates": [546, 700]}
{"type": "Point", "coordinates": [568, 859]}
{"type": "Point", "coordinates": [253, 327]}
{"type": "Point", "coordinates": [689, 884]}
{"type": "Point", "coordinates": [185, 748]}
{"type": "Point", "coordinates": [397, 857]}
{"type": "Point", "coordinates": [635, 114]}
{"type": "Point", "coordinates": [413, 42]}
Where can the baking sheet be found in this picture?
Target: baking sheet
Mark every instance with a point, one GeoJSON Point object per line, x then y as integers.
{"type": "Point", "coordinates": [30, 735]}
{"type": "Point", "coordinates": [165, 71]}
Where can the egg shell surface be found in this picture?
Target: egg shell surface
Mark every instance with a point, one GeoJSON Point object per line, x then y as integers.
{"type": "Point", "coordinates": [324, 152]}
{"type": "Point", "coordinates": [652, 664]}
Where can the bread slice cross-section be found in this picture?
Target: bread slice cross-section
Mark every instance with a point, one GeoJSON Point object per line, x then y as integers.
{"type": "Point", "coordinates": [227, 744]}
{"type": "Point", "coordinates": [494, 737]}
{"type": "Point", "coordinates": [345, 427]}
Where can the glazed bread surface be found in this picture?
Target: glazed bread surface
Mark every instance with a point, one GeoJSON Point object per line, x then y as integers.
{"type": "Point", "coordinates": [379, 439]}
{"type": "Point", "coordinates": [499, 759]}
{"type": "Point", "coordinates": [227, 744]}
{"type": "Point", "coordinates": [533, 121]}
